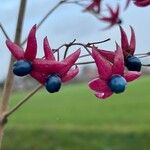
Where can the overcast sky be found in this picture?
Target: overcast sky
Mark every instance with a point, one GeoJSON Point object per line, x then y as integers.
{"type": "Point", "coordinates": [67, 23]}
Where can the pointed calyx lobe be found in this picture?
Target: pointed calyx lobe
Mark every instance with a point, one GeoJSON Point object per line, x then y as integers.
{"type": "Point", "coordinates": [31, 49]}
{"type": "Point", "coordinates": [47, 50]}
{"type": "Point", "coordinates": [113, 19]}
{"type": "Point", "coordinates": [16, 50]}
{"type": "Point", "coordinates": [70, 74]}
{"type": "Point", "coordinates": [132, 75]}
{"type": "Point", "coordinates": [104, 67]}
{"type": "Point", "coordinates": [109, 55]}
{"type": "Point", "coordinates": [70, 61]}
{"type": "Point", "coordinates": [128, 48]}
{"type": "Point", "coordinates": [118, 66]}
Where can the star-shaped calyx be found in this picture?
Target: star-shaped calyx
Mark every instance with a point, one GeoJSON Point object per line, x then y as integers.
{"type": "Point", "coordinates": [113, 19]}
{"type": "Point", "coordinates": [51, 72]}
{"type": "Point", "coordinates": [23, 65]}
{"type": "Point", "coordinates": [132, 62]}
{"type": "Point", "coordinates": [112, 76]}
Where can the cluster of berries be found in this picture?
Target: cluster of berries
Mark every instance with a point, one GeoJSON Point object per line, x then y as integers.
{"type": "Point", "coordinates": [48, 71]}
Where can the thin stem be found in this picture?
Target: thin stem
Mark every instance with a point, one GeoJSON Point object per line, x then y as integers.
{"type": "Point", "coordinates": [85, 63]}
{"type": "Point", "coordinates": [55, 50]}
{"type": "Point", "coordinates": [66, 51]}
{"type": "Point", "coordinates": [146, 65]}
{"type": "Point", "coordinates": [58, 57]}
{"type": "Point", "coordinates": [67, 47]}
{"type": "Point", "coordinates": [86, 55]}
{"type": "Point", "coordinates": [39, 24]}
{"type": "Point", "coordinates": [147, 53]}
{"type": "Point", "coordinates": [85, 46]}
{"type": "Point", "coordinates": [4, 31]}
{"type": "Point", "coordinates": [23, 101]}
{"type": "Point", "coordinates": [46, 16]}
{"type": "Point", "coordinates": [99, 42]}
{"type": "Point", "coordinates": [144, 56]}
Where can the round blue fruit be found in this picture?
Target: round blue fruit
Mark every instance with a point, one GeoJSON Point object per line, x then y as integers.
{"type": "Point", "coordinates": [53, 83]}
{"type": "Point", "coordinates": [133, 63]}
{"type": "Point", "coordinates": [117, 84]}
{"type": "Point", "coordinates": [22, 67]}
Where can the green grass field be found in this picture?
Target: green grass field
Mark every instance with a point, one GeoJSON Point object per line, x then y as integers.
{"type": "Point", "coordinates": [74, 119]}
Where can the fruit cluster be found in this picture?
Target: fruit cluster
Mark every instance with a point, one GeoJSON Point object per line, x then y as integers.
{"type": "Point", "coordinates": [47, 70]}
{"type": "Point", "coordinates": [50, 72]}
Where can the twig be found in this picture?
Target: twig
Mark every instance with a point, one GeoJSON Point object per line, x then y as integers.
{"type": "Point", "coordinates": [67, 47]}
{"type": "Point", "coordinates": [86, 55]}
{"type": "Point", "coordinates": [144, 56]}
{"type": "Point", "coordinates": [147, 53]}
{"type": "Point", "coordinates": [39, 24]}
{"type": "Point", "coordinates": [58, 57]}
{"type": "Point", "coordinates": [85, 63]}
{"type": "Point", "coordinates": [23, 101]}
{"type": "Point", "coordinates": [4, 31]}
{"type": "Point", "coordinates": [74, 43]}
{"type": "Point", "coordinates": [46, 16]}
{"type": "Point", "coordinates": [146, 65]}
{"type": "Point", "coordinates": [99, 42]}
{"type": "Point", "coordinates": [66, 51]}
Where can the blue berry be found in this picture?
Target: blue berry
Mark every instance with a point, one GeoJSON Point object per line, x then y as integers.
{"type": "Point", "coordinates": [133, 63]}
{"type": "Point", "coordinates": [53, 83]}
{"type": "Point", "coordinates": [117, 84]}
{"type": "Point", "coordinates": [22, 67]}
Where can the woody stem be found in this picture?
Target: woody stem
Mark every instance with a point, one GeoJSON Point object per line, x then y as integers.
{"type": "Point", "coordinates": [9, 80]}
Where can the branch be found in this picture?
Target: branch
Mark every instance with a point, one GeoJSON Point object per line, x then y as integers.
{"type": "Point", "coordinates": [39, 24]}
{"type": "Point", "coordinates": [46, 16]}
{"type": "Point", "coordinates": [85, 46]}
{"type": "Point", "coordinates": [4, 31]}
{"type": "Point", "coordinates": [147, 53]}
{"type": "Point", "coordinates": [22, 102]}
{"type": "Point", "coordinates": [85, 63]}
